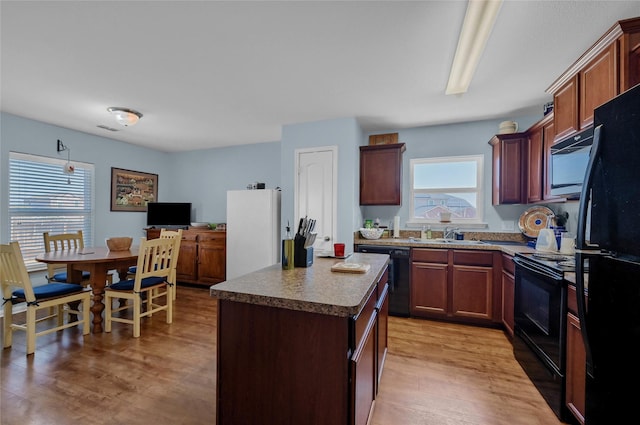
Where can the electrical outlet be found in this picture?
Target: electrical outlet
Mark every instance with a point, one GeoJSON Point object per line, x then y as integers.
{"type": "Point", "coordinates": [509, 225]}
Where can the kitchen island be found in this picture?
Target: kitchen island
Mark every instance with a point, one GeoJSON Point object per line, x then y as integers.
{"type": "Point", "coordinates": [301, 346]}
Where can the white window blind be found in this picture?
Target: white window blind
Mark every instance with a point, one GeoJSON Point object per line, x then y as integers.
{"type": "Point", "coordinates": [42, 198]}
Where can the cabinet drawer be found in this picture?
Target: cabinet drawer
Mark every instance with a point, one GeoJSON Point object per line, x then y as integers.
{"type": "Point", "coordinates": [473, 258]}
{"type": "Point", "coordinates": [360, 322]}
{"type": "Point", "coordinates": [429, 255]}
{"type": "Point", "coordinates": [382, 282]}
{"type": "Point", "coordinates": [212, 239]}
{"type": "Point", "coordinates": [508, 264]}
{"type": "Point", "coordinates": [189, 236]}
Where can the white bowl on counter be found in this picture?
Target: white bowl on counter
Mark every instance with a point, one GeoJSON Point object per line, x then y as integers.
{"type": "Point", "coordinates": [372, 233]}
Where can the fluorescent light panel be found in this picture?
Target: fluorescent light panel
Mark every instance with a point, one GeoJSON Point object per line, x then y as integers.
{"type": "Point", "coordinates": [478, 23]}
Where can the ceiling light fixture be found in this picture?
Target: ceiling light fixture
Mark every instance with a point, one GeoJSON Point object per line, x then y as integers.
{"type": "Point", "coordinates": [125, 116]}
{"type": "Point", "coordinates": [478, 23]}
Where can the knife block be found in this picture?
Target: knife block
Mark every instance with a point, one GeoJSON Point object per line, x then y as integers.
{"type": "Point", "coordinates": [302, 257]}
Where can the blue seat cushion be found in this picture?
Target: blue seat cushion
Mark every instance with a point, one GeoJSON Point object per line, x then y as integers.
{"type": "Point", "coordinates": [132, 269]}
{"type": "Point", "coordinates": [62, 276]}
{"type": "Point", "coordinates": [127, 285]}
{"type": "Point", "coordinates": [50, 290]}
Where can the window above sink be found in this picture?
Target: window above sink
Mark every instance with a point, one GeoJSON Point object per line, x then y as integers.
{"type": "Point", "coordinates": [447, 185]}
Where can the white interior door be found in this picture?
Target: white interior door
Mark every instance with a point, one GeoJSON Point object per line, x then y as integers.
{"type": "Point", "coordinates": [316, 192]}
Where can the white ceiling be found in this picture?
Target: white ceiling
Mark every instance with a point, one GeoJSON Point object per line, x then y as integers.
{"type": "Point", "coordinates": [210, 74]}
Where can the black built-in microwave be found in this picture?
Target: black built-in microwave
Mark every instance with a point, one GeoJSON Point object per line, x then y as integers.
{"type": "Point", "coordinates": [569, 159]}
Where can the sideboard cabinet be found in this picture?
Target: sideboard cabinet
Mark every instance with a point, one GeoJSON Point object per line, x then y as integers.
{"type": "Point", "coordinates": [203, 256]}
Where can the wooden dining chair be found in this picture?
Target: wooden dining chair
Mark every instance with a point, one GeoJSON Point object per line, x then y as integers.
{"type": "Point", "coordinates": [173, 234]}
{"type": "Point", "coordinates": [164, 233]}
{"type": "Point", "coordinates": [63, 242]}
{"type": "Point", "coordinates": [17, 288]}
{"type": "Point", "coordinates": [150, 288]}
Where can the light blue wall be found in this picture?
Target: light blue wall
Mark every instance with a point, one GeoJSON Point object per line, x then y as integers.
{"type": "Point", "coordinates": [19, 134]}
{"type": "Point", "coordinates": [200, 177]}
{"type": "Point", "coordinates": [203, 177]}
{"type": "Point", "coordinates": [345, 133]}
{"type": "Point", "coordinates": [471, 138]}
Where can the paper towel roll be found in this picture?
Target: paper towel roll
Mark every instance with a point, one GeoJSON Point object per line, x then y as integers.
{"type": "Point", "coordinates": [396, 227]}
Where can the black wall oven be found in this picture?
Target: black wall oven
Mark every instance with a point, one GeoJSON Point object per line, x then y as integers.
{"type": "Point", "coordinates": [540, 327]}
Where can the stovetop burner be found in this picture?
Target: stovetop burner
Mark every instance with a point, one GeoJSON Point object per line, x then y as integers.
{"type": "Point", "coordinates": [551, 256]}
{"type": "Point", "coordinates": [555, 261]}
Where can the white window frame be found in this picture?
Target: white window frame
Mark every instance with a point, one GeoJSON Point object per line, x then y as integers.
{"type": "Point", "coordinates": [478, 221]}
{"type": "Point", "coordinates": [39, 201]}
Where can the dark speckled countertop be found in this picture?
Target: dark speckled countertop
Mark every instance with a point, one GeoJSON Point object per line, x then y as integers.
{"type": "Point", "coordinates": [508, 247]}
{"type": "Point", "coordinates": [315, 289]}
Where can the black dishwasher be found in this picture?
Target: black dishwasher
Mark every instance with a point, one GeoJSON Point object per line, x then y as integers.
{"type": "Point", "coordinates": [398, 276]}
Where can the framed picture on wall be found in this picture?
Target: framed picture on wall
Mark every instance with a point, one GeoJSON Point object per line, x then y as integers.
{"type": "Point", "coordinates": [132, 190]}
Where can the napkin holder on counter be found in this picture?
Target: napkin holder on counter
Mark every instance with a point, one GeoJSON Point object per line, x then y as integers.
{"type": "Point", "coordinates": [302, 257]}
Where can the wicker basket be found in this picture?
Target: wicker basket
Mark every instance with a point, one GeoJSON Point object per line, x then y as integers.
{"type": "Point", "coordinates": [119, 243]}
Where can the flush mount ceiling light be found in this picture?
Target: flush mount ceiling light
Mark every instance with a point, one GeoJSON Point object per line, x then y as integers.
{"type": "Point", "coordinates": [125, 116]}
{"type": "Point", "coordinates": [476, 28]}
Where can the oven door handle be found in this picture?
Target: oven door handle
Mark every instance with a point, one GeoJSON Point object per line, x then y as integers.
{"type": "Point", "coordinates": [537, 270]}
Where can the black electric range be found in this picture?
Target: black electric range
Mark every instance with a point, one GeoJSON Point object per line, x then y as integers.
{"type": "Point", "coordinates": [553, 261]}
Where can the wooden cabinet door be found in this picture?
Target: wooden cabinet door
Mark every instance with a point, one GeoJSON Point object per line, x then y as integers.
{"type": "Point", "coordinates": [212, 257]}
{"type": "Point", "coordinates": [471, 294]}
{"type": "Point", "coordinates": [508, 293]}
{"type": "Point", "coordinates": [363, 375]}
{"type": "Point", "coordinates": [565, 109]}
{"type": "Point", "coordinates": [535, 159]}
{"type": "Point", "coordinates": [576, 369]}
{"type": "Point", "coordinates": [509, 167]}
{"type": "Point", "coordinates": [548, 137]}
{"type": "Point", "coordinates": [381, 174]}
{"type": "Point", "coordinates": [382, 341]}
{"type": "Point", "coordinates": [187, 268]}
{"type": "Point", "coordinates": [598, 84]}
{"type": "Point", "coordinates": [429, 292]}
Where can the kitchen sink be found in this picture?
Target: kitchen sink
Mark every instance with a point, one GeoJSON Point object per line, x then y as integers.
{"type": "Point", "coordinates": [448, 241]}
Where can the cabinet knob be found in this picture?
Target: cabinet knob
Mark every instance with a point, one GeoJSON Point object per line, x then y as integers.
{"type": "Point", "coordinates": [327, 238]}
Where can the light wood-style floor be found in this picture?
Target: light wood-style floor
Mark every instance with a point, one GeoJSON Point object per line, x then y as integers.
{"type": "Point", "coordinates": [435, 374]}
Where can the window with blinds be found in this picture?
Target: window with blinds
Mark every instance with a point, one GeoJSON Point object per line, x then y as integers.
{"type": "Point", "coordinates": [43, 198]}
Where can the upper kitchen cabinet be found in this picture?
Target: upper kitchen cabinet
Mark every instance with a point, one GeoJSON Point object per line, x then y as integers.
{"type": "Point", "coordinates": [608, 68]}
{"type": "Point", "coordinates": [510, 153]}
{"type": "Point", "coordinates": [537, 176]}
{"type": "Point", "coordinates": [381, 174]}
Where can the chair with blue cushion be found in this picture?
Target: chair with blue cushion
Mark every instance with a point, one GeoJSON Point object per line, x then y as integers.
{"type": "Point", "coordinates": [17, 288]}
{"type": "Point", "coordinates": [62, 242]}
{"type": "Point", "coordinates": [164, 233]}
{"type": "Point", "coordinates": [150, 288]}
{"type": "Point", "coordinates": [175, 234]}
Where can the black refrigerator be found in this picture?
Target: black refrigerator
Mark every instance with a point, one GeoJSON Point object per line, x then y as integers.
{"type": "Point", "coordinates": [608, 252]}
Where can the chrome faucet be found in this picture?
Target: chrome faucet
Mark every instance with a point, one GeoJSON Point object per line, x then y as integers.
{"type": "Point", "coordinates": [449, 232]}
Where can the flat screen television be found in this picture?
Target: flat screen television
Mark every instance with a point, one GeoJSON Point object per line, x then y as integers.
{"type": "Point", "coordinates": [168, 214]}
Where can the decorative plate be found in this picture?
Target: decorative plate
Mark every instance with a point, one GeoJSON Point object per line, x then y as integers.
{"type": "Point", "coordinates": [534, 219]}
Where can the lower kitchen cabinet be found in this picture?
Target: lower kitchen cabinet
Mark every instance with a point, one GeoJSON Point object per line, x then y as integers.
{"type": "Point", "coordinates": [277, 365]}
{"type": "Point", "coordinates": [382, 309]}
{"type": "Point", "coordinates": [429, 282]}
{"type": "Point", "coordinates": [203, 256]}
{"type": "Point", "coordinates": [453, 284]}
{"type": "Point", "coordinates": [576, 361]}
{"type": "Point", "coordinates": [508, 293]}
{"type": "Point", "coordinates": [363, 368]}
